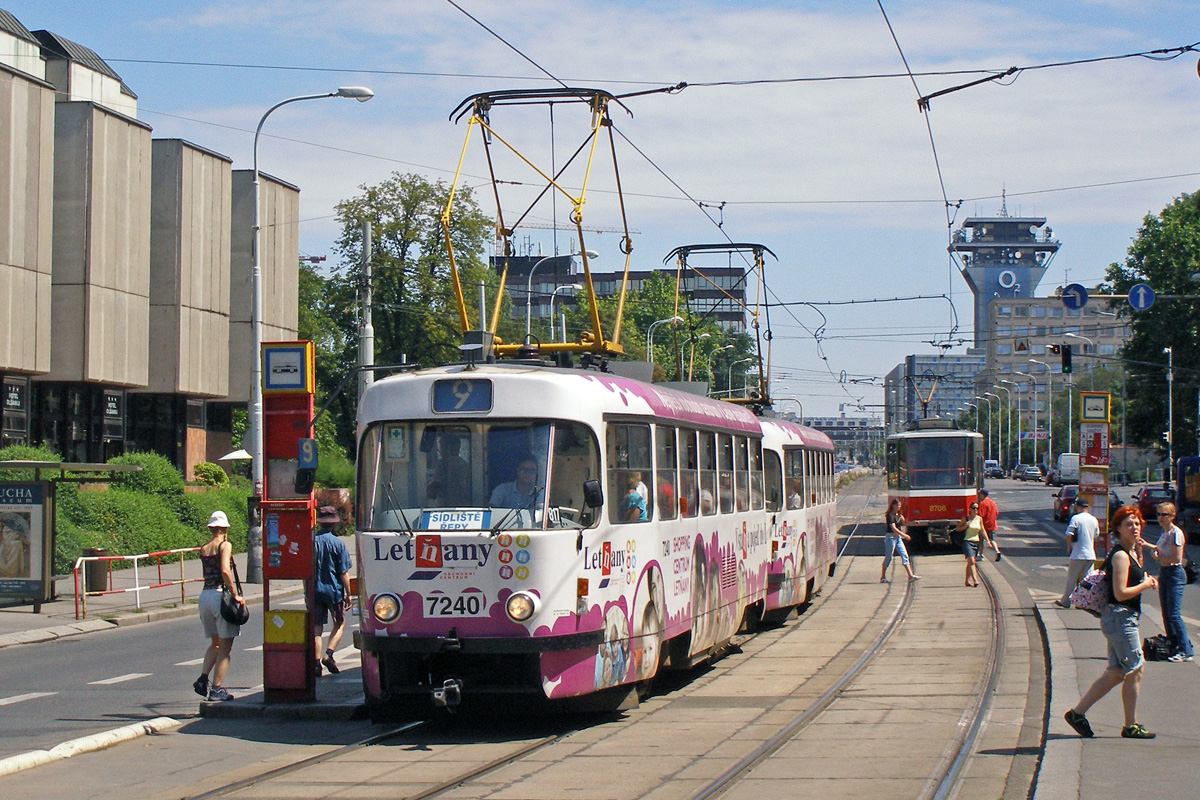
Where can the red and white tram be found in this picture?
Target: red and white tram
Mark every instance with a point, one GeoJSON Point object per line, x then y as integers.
{"type": "Point", "coordinates": [935, 470]}
{"type": "Point", "coordinates": [538, 533]}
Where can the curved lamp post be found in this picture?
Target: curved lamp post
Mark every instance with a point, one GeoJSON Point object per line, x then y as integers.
{"type": "Point", "coordinates": [1016, 389]}
{"type": "Point", "coordinates": [1049, 410]}
{"type": "Point", "coordinates": [362, 94]}
{"type": "Point", "coordinates": [1007, 448]}
{"type": "Point", "coordinates": [709, 362]}
{"type": "Point", "coordinates": [650, 334]}
{"type": "Point", "coordinates": [577, 287]}
{"type": "Point", "coordinates": [529, 283]}
{"type": "Point", "coordinates": [991, 414]}
{"type": "Point", "coordinates": [729, 380]}
{"type": "Point", "coordinates": [972, 405]}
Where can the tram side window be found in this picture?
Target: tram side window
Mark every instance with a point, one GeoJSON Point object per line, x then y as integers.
{"type": "Point", "coordinates": [629, 499]}
{"type": "Point", "coordinates": [725, 472]}
{"type": "Point", "coordinates": [689, 477]}
{"type": "Point", "coordinates": [772, 480]}
{"type": "Point", "coordinates": [756, 474]}
{"type": "Point", "coordinates": [665, 479]}
{"type": "Point", "coordinates": [576, 459]}
{"type": "Point", "coordinates": [708, 473]}
{"type": "Point", "coordinates": [741, 472]}
{"type": "Point", "coordinates": [830, 490]}
{"type": "Point", "coordinates": [795, 478]}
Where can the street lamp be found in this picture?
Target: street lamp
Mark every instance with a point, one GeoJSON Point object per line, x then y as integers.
{"type": "Point", "coordinates": [1170, 415]}
{"type": "Point", "coordinates": [709, 361]}
{"type": "Point", "coordinates": [577, 287]}
{"type": "Point", "coordinates": [529, 284]}
{"type": "Point", "coordinates": [972, 405]}
{"type": "Point", "coordinates": [729, 380]}
{"type": "Point", "coordinates": [650, 334]}
{"type": "Point", "coordinates": [1049, 407]}
{"type": "Point", "coordinates": [1007, 452]}
{"type": "Point", "coordinates": [362, 94]}
{"type": "Point", "coordinates": [991, 415]}
{"type": "Point", "coordinates": [1017, 389]}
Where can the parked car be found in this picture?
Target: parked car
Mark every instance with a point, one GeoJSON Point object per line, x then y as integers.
{"type": "Point", "coordinates": [1148, 498]}
{"type": "Point", "coordinates": [1028, 473]}
{"type": "Point", "coordinates": [1114, 503]}
{"type": "Point", "coordinates": [1064, 498]}
{"type": "Point", "coordinates": [992, 469]}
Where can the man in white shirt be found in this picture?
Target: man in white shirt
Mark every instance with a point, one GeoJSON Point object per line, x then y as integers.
{"type": "Point", "coordinates": [1082, 532]}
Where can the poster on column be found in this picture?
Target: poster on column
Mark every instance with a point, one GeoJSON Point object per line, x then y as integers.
{"type": "Point", "coordinates": [1093, 444]}
{"type": "Point", "coordinates": [23, 545]}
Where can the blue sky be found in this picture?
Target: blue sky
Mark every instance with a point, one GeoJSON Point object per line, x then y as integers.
{"type": "Point", "coordinates": [835, 177]}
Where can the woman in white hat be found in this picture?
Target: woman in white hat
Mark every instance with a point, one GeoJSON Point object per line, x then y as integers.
{"type": "Point", "coordinates": [215, 559]}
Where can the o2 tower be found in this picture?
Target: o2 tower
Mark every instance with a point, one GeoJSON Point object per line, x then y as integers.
{"type": "Point", "coordinates": [1002, 256]}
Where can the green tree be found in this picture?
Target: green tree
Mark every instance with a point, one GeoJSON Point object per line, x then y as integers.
{"type": "Point", "coordinates": [1165, 254]}
{"type": "Point", "coordinates": [414, 313]}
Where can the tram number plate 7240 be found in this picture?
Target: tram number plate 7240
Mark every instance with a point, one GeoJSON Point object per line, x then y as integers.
{"type": "Point", "coordinates": [462, 605]}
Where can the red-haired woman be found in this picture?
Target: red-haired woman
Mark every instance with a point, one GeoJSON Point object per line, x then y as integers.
{"type": "Point", "coordinates": [1127, 580]}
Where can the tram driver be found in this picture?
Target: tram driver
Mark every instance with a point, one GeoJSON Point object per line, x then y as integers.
{"type": "Point", "coordinates": [523, 491]}
{"type": "Point", "coordinates": [450, 481]}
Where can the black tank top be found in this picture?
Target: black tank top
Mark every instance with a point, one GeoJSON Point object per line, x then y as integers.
{"type": "Point", "coordinates": [1136, 576]}
{"type": "Point", "coordinates": [211, 566]}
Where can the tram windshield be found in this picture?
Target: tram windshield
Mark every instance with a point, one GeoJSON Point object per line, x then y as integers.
{"type": "Point", "coordinates": [475, 475]}
{"type": "Point", "coordinates": [936, 463]}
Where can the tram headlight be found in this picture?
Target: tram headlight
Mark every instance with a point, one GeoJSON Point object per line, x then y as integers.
{"type": "Point", "coordinates": [521, 606]}
{"type": "Point", "coordinates": [386, 608]}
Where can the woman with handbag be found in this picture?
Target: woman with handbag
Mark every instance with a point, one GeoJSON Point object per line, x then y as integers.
{"type": "Point", "coordinates": [973, 531]}
{"type": "Point", "coordinates": [216, 559]}
{"type": "Point", "coordinates": [1127, 581]}
{"type": "Point", "coordinates": [1169, 554]}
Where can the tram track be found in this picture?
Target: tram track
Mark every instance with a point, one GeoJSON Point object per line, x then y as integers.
{"type": "Point", "coordinates": [427, 760]}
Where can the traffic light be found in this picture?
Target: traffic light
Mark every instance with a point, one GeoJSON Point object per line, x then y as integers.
{"type": "Point", "coordinates": [1066, 359]}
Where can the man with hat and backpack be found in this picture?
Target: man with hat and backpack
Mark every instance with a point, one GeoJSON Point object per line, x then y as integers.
{"type": "Point", "coordinates": [1082, 532]}
{"type": "Point", "coordinates": [331, 586]}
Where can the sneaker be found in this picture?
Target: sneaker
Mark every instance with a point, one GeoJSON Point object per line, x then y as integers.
{"type": "Point", "coordinates": [330, 665]}
{"type": "Point", "coordinates": [218, 695]}
{"type": "Point", "coordinates": [1080, 724]}
{"type": "Point", "coordinates": [200, 686]}
{"type": "Point", "coordinates": [1179, 658]}
{"type": "Point", "coordinates": [1136, 731]}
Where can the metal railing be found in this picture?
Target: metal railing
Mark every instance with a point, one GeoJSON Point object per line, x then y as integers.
{"type": "Point", "coordinates": [137, 588]}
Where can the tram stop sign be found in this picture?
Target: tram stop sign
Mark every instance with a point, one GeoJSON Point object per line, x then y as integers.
{"type": "Point", "coordinates": [1074, 295]}
{"type": "Point", "coordinates": [1141, 296]}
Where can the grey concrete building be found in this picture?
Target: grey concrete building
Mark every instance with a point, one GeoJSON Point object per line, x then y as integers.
{"type": "Point", "coordinates": [124, 266]}
{"type": "Point", "coordinates": [26, 208]}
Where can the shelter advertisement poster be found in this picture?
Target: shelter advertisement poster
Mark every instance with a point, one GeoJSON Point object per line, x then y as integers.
{"type": "Point", "coordinates": [24, 539]}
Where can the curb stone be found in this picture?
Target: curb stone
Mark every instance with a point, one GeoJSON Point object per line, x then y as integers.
{"type": "Point", "coordinates": [86, 744]}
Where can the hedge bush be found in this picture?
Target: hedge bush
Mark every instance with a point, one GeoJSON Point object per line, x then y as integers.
{"type": "Point", "coordinates": [210, 474]}
{"type": "Point", "coordinates": [158, 475]}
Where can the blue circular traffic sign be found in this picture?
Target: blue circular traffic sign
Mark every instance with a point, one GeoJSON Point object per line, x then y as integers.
{"type": "Point", "coordinates": [1141, 296]}
{"type": "Point", "coordinates": [1074, 296]}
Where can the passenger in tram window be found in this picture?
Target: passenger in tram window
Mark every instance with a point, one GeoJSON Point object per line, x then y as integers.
{"type": "Point", "coordinates": [641, 488]}
{"type": "Point", "coordinates": [688, 496]}
{"type": "Point", "coordinates": [450, 481]}
{"type": "Point", "coordinates": [523, 491]}
{"type": "Point", "coordinates": [974, 532]}
{"type": "Point", "coordinates": [796, 497]}
{"type": "Point", "coordinates": [706, 502]}
{"type": "Point", "coordinates": [633, 506]}
{"type": "Point", "coordinates": [666, 498]}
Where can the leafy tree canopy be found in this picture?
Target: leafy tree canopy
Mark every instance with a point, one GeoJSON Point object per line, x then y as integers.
{"type": "Point", "coordinates": [1166, 255]}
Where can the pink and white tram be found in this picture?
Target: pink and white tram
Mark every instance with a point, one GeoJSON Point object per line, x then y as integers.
{"type": "Point", "coordinates": [935, 470]}
{"type": "Point", "coordinates": [548, 533]}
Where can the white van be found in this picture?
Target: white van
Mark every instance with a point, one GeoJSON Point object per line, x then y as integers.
{"type": "Point", "coordinates": [1067, 469]}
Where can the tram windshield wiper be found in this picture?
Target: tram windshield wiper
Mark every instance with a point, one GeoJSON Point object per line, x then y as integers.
{"type": "Point", "coordinates": [391, 497]}
{"type": "Point", "coordinates": [528, 506]}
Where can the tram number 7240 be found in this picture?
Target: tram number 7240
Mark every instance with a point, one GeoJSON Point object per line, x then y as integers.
{"type": "Point", "coordinates": [463, 605]}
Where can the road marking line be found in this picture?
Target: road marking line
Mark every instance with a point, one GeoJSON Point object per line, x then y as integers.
{"type": "Point", "coordinates": [8, 701]}
{"type": "Point", "coordinates": [132, 676]}
{"type": "Point", "coordinates": [193, 663]}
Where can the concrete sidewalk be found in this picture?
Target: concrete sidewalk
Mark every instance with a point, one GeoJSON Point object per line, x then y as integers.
{"type": "Point", "coordinates": [1107, 765]}
{"type": "Point", "coordinates": [20, 625]}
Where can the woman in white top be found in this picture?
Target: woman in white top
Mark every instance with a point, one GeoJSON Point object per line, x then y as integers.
{"type": "Point", "coordinates": [1169, 554]}
{"type": "Point", "coordinates": [971, 526]}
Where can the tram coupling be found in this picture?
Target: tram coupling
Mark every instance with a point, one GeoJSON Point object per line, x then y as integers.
{"type": "Point", "coordinates": [448, 695]}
